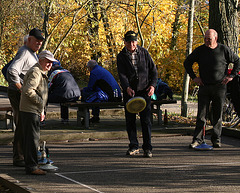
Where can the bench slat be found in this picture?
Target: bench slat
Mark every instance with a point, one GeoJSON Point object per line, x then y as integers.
{"type": "Point", "coordinates": [111, 104]}
{"type": "Point", "coordinates": [83, 108]}
{"type": "Point", "coordinates": [5, 108]}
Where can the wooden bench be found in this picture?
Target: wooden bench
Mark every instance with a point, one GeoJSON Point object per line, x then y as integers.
{"type": "Point", "coordinates": [8, 116]}
{"type": "Point", "coordinates": [83, 109]}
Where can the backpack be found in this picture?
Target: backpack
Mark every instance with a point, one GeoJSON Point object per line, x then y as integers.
{"type": "Point", "coordinates": [99, 96]}
{"type": "Point", "coordinates": [4, 69]}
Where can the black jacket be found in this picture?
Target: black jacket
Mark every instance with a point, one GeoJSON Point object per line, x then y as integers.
{"type": "Point", "coordinates": [213, 63]}
{"type": "Point", "coordinates": [64, 88]}
{"type": "Point", "coordinates": [234, 89]}
{"type": "Point", "coordinates": [147, 71]}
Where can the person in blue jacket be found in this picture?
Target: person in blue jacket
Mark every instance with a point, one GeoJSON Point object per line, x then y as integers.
{"type": "Point", "coordinates": [62, 88]}
{"type": "Point", "coordinates": [102, 86]}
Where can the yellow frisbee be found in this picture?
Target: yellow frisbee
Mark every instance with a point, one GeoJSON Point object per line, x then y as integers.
{"type": "Point", "coordinates": [136, 105]}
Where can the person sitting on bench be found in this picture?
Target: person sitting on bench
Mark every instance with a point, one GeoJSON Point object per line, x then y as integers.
{"type": "Point", "coordinates": [102, 86]}
{"type": "Point", "coordinates": [62, 88]}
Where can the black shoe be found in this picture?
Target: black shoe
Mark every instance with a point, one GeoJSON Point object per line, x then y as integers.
{"type": "Point", "coordinates": [147, 153]}
{"type": "Point", "coordinates": [64, 121]}
{"type": "Point", "coordinates": [20, 163]}
{"type": "Point", "coordinates": [95, 119]}
{"type": "Point", "coordinates": [37, 172]}
{"type": "Point", "coordinates": [132, 151]}
{"type": "Point", "coordinates": [217, 144]}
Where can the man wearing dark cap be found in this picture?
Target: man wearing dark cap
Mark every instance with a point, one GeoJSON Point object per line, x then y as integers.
{"type": "Point", "coordinates": [25, 58]}
{"type": "Point", "coordinates": [138, 77]}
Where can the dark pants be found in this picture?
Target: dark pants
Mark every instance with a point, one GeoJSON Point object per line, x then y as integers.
{"type": "Point", "coordinates": [145, 119]}
{"type": "Point", "coordinates": [31, 131]}
{"type": "Point", "coordinates": [14, 98]}
{"type": "Point", "coordinates": [215, 94]}
{"type": "Point", "coordinates": [64, 112]}
{"type": "Point", "coordinates": [54, 98]}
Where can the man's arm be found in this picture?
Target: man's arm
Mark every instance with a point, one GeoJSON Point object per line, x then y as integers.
{"type": "Point", "coordinates": [236, 63]}
{"type": "Point", "coordinates": [233, 58]}
{"type": "Point", "coordinates": [91, 82]}
{"type": "Point", "coordinates": [122, 74]}
{"type": "Point", "coordinates": [153, 74]}
{"type": "Point", "coordinates": [188, 63]}
{"type": "Point", "coordinates": [15, 69]}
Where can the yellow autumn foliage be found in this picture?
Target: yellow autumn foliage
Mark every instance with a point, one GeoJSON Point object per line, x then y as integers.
{"type": "Point", "coordinates": [79, 32]}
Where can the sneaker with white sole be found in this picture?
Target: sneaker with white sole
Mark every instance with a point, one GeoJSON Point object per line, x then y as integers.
{"type": "Point", "coordinates": [132, 151]}
{"type": "Point", "coordinates": [194, 144]}
{"type": "Point", "coordinates": [147, 153]}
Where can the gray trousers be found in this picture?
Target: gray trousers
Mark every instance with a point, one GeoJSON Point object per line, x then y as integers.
{"type": "Point", "coordinates": [216, 95]}
{"type": "Point", "coordinates": [14, 98]}
{"type": "Point", "coordinates": [31, 131]}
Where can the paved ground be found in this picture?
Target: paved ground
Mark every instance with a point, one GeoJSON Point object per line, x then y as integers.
{"type": "Point", "coordinates": [94, 160]}
{"type": "Point", "coordinates": [101, 166]}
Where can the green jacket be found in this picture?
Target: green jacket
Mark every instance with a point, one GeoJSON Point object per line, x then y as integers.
{"type": "Point", "coordinates": [34, 91]}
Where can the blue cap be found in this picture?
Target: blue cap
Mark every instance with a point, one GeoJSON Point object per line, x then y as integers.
{"type": "Point", "coordinates": [56, 63]}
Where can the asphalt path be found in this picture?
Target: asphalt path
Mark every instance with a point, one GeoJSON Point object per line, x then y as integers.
{"type": "Point", "coordinates": [95, 165]}
{"type": "Point", "coordinates": [102, 166]}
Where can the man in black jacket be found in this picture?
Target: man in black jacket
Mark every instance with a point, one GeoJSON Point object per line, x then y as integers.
{"type": "Point", "coordinates": [138, 77]}
{"type": "Point", "coordinates": [213, 60]}
{"type": "Point", "coordinates": [62, 88]}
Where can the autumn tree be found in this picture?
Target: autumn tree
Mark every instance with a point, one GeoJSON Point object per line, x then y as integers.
{"type": "Point", "coordinates": [223, 17]}
{"type": "Point", "coordinates": [79, 30]}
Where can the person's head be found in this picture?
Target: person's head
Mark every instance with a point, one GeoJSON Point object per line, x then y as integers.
{"type": "Point", "coordinates": [46, 59]}
{"type": "Point", "coordinates": [91, 64]}
{"type": "Point", "coordinates": [35, 39]}
{"type": "Point", "coordinates": [130, 41]}
{"type": "Point", "coordinates": [210, 38]}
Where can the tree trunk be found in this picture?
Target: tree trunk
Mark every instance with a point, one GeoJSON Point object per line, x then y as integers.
{"type": "Point", "coordinates": [188, 51]}
{"type": "Point", "coordinates": [175, 27]}
{"type": "Point", "coordinates": [223, 17]}
{"type": "Point", "coordinates": [138, 24]}
{"type": "Point", "coordinates": [109, 37]}
{"type": "Point", "coordinates": [48, 9]}
{"type": "Point", "coordinates": [93, 26]}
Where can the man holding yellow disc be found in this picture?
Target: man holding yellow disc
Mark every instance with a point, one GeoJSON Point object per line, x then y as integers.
{"type": "Point", "coordinates": [138, 77]}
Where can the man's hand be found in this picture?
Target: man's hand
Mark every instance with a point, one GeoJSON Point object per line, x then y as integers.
{"type": "Point", "coordinates": [226, 80]}
{"type": "Point", "coordinates": [150, 90]}
{"type": "Point", "coordinates": [130, 92]}
{"type": "Point", "coordinates": [42, 117]}
{"type": "Point", "coordinates": [19, 86]}
{"type": "Point", "coordinates": [198, 81]}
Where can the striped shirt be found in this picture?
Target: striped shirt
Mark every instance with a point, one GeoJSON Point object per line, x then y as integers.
{"type": "Point", "coordinates": [134, 59]}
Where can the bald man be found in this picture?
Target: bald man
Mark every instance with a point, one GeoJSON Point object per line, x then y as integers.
{"type": "Point", "coordinates": [213, 60]}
